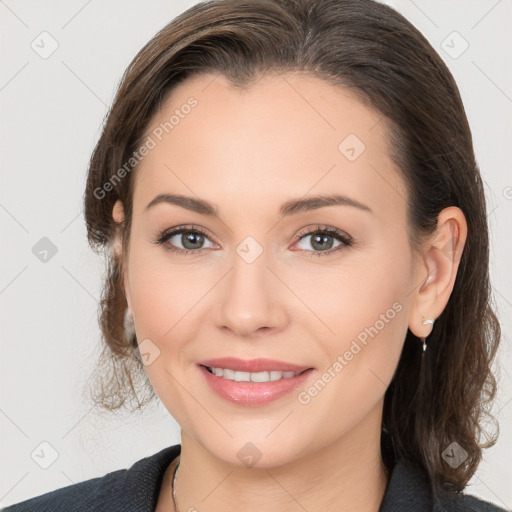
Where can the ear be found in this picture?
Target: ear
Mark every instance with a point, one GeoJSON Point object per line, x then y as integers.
{"type": "Point", "coordinates": [118, 216]}
{"type": "Point", "coordinates": [437, 269]}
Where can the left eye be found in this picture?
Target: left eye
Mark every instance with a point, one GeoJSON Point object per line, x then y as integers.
{"type": "Point", "coordinates": [323, 241]}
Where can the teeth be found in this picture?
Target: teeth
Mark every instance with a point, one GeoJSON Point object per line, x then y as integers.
{"type": "Point", "coordinates": [238, 376]}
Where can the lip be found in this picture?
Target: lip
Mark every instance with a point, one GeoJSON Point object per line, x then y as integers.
{"type": "Point", "coordinates": [253, 365]}
{"type": "Point", "coordinates": [254, 394]}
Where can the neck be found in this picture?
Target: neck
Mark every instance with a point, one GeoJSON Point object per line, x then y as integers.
{"type": "Point", "coordinates": [348, 475]}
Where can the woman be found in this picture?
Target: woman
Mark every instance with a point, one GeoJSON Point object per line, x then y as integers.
{"type": "Point", "coordinates": [298, 265]}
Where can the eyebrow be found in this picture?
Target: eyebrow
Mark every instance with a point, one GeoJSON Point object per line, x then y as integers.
{"type": "Point", "coordinates": [291, 207]}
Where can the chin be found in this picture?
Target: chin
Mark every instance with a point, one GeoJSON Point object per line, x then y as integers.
{"type": "Point", "coordinates": [255, 451]}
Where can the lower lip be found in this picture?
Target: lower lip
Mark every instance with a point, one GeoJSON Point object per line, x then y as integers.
{"type": "Point", "coordinates": [253, 393]}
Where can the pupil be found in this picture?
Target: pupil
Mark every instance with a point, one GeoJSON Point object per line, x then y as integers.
{"type": "Point", "coordinates": [194, 239]}
{"type": "Point", "coordinates": [322, 241]}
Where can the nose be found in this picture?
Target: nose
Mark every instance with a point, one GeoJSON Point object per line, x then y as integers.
{"type": "Point", "coordinates": [249, 299]}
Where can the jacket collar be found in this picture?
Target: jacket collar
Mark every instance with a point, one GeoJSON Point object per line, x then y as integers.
{"type": "Point", "coordinates": [407, 490]}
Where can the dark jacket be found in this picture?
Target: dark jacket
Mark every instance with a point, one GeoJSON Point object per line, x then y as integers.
{"type": "Point", "coordinates": [136, 490]}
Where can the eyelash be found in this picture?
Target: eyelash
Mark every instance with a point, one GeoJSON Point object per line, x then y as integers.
{"type": "Point", "coordinates": [346, 241]}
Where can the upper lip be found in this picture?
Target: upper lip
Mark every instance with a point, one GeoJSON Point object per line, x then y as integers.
{"type": "Point", "coordinates": [253, 365]}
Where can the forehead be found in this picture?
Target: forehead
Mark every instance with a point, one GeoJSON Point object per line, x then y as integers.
{"type": "Point", "coordinates": [284, 136]}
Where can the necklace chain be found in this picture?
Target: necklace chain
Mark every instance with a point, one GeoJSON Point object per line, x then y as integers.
{"type": "Point", "coordinates": [176, 509]}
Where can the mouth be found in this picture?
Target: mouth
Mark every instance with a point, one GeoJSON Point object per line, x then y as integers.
{"type": "Point", "coordinates": [241, 376]}
{"type": "Point", "coordinates": [258, 365]}
{"type": "Point", "coordinates": [253, 383]}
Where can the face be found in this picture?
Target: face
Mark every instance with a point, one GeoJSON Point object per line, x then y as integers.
{"type": "Point", "coordinates": [325, 286]}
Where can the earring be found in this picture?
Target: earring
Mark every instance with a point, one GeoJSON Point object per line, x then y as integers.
{"type": "Point", "coordinates": [426, 322]}
{"type": "Point", "coordinates": [129, 325]}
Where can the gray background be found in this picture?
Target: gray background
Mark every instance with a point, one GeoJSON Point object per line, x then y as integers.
{"type": "Point", "coordinates": [52, 109]}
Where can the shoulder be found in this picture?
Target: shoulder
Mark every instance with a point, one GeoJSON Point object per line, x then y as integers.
{"type": "Point", "coordinates": [135, 488]}
{"type": "Point", "coordinates": [81, 496]}
{"type": "Point", "coordinates": [408, 489]}
{"type": "Point", "coordinates": [465, 503]}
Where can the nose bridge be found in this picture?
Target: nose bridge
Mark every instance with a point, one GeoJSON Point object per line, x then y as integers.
{"type": "Point", "coordinates": [248, 300]}
{"type": "Point", "coordinates": [250, 268]}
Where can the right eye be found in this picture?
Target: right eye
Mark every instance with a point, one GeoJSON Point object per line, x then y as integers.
{"type": "Point", "coordinates": [191, 240]}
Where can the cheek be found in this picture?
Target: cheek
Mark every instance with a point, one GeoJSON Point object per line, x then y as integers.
{"type": "Point", "coordinates": [349, 298]}
{"type": "Point", "coordinates": [359, 360]}
{"type": "Point", "coordinates": [169, 300]}
{"type": "Point", "coordinates": [164, 298]}
{"type": "Point", "coordinates": [165, 301]}
{"type": "Point", "coordinates": [364, 306]}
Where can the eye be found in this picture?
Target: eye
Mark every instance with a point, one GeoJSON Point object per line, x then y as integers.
{"type": "Point", "coordinates": [322, 240]}
{"type": "Point", "coordinates": [191, 239]}
{"type": "Point", "coordinates": [184, 240]}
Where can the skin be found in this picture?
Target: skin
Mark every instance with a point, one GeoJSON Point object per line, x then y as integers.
{"type": "Point", "coordinates": [248, 151]}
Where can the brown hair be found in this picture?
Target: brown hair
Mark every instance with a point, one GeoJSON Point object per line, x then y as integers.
{"type": "Point", "coordinates": [373, 50]}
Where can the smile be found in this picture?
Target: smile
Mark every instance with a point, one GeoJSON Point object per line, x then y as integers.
{"type": "Point", "coordinates": [252, 389]}
{"type": "Point", "coordinates": [239, 376]}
